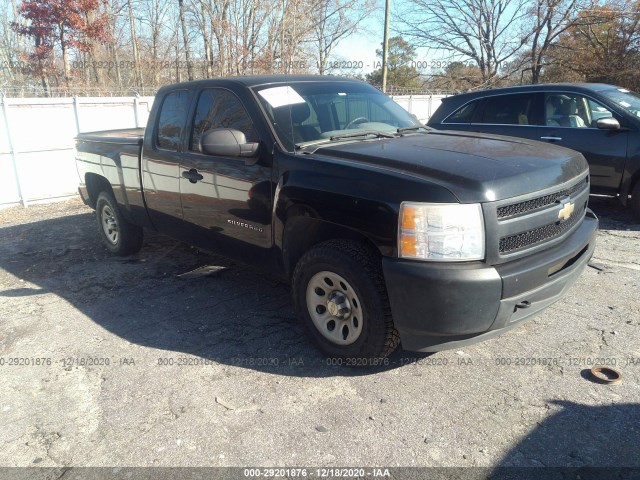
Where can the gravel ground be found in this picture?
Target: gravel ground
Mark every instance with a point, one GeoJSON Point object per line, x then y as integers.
{"type": "Point", "coordinates": [107, 361]}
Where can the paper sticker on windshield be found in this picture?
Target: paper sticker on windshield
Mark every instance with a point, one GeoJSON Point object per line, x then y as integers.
{"type": "Point", "coordinates": [280, 96]}
{"type": "Point", "coordinates": [623, 90]}
{"type": "Point", "coordinates": [625, 104]}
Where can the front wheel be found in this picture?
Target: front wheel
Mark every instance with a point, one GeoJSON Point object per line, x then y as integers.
{"type": "Point", "coordinates": [119, 236]}
{"type": "Point", "coordinates": [340, 295]}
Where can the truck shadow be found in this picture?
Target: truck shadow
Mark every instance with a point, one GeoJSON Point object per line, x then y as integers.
{"type": "Point", "coordinates": [231, 316]}
{"type": "Point", "coordinates": [578, 441]}
{"type": "Point", "coordinates": [612, 215]}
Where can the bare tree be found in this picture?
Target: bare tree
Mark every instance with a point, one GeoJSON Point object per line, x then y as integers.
{"type": "Point", "coordinates": [215, 37]}
{"type": "Point", "coordinates": [157, 43]}
{"type": "Point", "coordinates": [134, 45]}
{"type": "Point", "coordinates": [549, 20]}
{"type": "Point", "coordinates": [203, 22]}
{"type": "Point", "coordinates": [606, 48]}
{"type": "Point", "coordinates": [296, 24]}
{"type": "Point", "coordinates": [336, 19]}
{"type": "Point", "coordinates": [185, 39]}
{"type": "Point", "coordinates": [486, 31]}
{"type": "Point", "coordinates": [10, 44]}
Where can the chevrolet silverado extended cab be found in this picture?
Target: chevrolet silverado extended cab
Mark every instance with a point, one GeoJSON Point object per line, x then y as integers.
{"type": "Point", "coordinates": [388, 231]}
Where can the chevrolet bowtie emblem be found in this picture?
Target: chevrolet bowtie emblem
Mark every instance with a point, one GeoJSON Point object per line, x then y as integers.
{"type": "Point", "coordinates": [566, 211]}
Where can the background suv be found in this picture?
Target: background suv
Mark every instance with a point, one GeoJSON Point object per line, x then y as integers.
{"type": "Point", "coordinates": [600, 121]}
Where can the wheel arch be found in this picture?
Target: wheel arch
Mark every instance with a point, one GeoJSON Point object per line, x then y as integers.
{"type": "Point", "coordinates": [302, 231]}
{"type": "Point", "coordinates": [95, 184]}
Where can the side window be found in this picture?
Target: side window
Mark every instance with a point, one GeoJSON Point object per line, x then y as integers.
{"type": "Point", "coordinates": [597, 112]}
{"type": "Point", "coordinates": [573, 110]}
{"type": "Point", "coordinates": [173, 116]}
{"type": "Point", "coordinates": [464, 114]}
{"type": "Point", "coordinates": [512, 109]}
{"type": "Point", "coordinates": [218, 108]}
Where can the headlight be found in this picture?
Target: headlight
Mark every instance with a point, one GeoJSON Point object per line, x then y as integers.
{"type": "Point", "coordinates": [441, 232]}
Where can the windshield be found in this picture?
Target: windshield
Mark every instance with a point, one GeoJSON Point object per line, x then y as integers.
{"type": "Point", "coordinates": [303, 112]}
{"type": "Point", "coordinates": [628, 100]}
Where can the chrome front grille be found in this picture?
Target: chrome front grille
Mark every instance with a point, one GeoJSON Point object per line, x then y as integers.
{"type": "Point", "coordinates": [523, 225]}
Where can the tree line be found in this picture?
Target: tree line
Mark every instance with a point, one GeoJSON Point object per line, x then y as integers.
{"type": "Point", "coordinates": [53, 45]}
{"type": "Point", "coordinates": [504, 42]}
{"type": "Point", "coordinates": [105, 46]}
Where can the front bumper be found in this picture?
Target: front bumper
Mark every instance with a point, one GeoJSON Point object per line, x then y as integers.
{"type": "Point", "coordinates": [438, 306]}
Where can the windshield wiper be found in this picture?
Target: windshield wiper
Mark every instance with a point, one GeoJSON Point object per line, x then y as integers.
{"type": "Point", "coordinates": [344, 136]}
{"type": "Point", "coordinates": [415, 128]}
{"type": "Point", "coordinates": [363, 133]}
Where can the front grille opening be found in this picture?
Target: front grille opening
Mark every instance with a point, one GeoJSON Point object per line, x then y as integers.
{"type": "Point", "coordinates": [534, 204]}
{"type": "Point", "coordinates": [559, 268]}
{"type": "Point", "coordinates": [538, 235]}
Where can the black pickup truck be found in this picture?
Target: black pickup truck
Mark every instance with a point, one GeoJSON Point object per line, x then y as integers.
{"type": "Point", "coordinates": [388, 231]}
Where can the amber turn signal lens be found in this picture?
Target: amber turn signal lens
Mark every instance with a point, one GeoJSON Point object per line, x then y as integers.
{"type": "Point", "coordinates": [408, 245]}
{"type": "Point", "coordinates": [408, 218]}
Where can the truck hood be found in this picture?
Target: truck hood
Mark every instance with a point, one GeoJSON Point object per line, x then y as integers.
{"type": "Point", "coordinates": [474, 167]}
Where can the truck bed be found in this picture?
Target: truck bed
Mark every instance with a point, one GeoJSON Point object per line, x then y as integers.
{"type": "Point", "coordinates": [122, 136]}
{"type": "Point", "coordinates": [115, 156]}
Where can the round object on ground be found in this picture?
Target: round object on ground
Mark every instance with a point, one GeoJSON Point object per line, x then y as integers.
{"type": "Point", "coordinates": [606, 374]}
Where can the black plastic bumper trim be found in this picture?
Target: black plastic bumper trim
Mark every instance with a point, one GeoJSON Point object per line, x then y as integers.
{"type": "Point", "coordinates": [441, 306]}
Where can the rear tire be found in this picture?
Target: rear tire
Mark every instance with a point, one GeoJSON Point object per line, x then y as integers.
{"type": "Point", "coordinates": [635, 200]}
{"type": "Point", "coordinates": [119, 236]}
{"type": "Point", "coordinates": [340, 296]}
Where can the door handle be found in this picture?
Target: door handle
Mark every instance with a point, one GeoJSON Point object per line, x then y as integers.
{"type": "Point", "coordinates": [551, 139]}
{"type": "Point", "coordinates": [192, 175]}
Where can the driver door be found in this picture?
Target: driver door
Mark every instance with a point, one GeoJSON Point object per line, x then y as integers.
{"type": "Point", "coordinates": [226, 204]}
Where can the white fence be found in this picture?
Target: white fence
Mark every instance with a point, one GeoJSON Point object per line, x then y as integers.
{"type": "Point", "coordinates": [422, 106]}
{"type": "Point", "coordinates": [36, 141]}
{"type": "Point", "coordinates": [36, 138]}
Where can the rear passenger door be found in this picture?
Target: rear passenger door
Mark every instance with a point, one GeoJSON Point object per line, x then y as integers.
{"type": "Point", "coordinates": [160, 163]}
{"type": "Point", "coordinates": [570, 121]}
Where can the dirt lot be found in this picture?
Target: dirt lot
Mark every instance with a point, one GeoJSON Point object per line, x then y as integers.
{"type": "Point", "coordinates": [107, 361]}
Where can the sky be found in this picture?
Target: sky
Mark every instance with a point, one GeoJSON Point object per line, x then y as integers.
{"type": "Point", "coordinates": [360, 48]}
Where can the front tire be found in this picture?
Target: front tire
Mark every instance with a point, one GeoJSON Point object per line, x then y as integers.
{"type": "Point", "coordinates": [340, 295]}
{"type": "Point", "coordinates": [118, 235]}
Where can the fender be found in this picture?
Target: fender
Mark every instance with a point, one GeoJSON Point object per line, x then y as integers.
{"type": "Point", "coordinates": [363, 202]}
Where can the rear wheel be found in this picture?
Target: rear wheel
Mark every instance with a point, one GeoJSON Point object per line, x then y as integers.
{"type": "Point", "coordinates": [340, 295]}
{"type": "Point", "coordinates": [119, 236]}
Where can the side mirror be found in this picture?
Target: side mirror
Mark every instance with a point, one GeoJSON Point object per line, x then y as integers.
{"type": "Point", "coordinates": [227, 142]}
{"type": "Point", "coordinates": [608, 123]}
